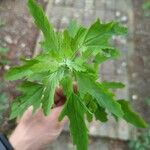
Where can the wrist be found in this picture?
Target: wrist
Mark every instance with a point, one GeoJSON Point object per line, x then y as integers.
{"type": "Point", "coordinates": [22, 138]}
{"type": "Point", "coordinates": [19, 139]}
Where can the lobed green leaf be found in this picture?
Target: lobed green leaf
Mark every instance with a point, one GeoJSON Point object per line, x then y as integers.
{"type": "Point", "coordinates": [43, 24]}
{"type": "Point", "coordinates": [75, 112]}
{"type": "Point", "coordinates": [130, 116]}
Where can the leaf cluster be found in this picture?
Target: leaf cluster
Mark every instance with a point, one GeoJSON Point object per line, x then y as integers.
{"type": "Point", "coordinates": [68, 56]}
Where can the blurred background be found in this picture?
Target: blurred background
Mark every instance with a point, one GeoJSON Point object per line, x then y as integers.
{"type": "Point", "coordinates": [19, 38]}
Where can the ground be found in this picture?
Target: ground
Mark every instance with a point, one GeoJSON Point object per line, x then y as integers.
{"type": "Point", "coordinates": [20, 35]}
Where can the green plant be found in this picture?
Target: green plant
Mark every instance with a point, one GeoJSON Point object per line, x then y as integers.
{"type": "Point", "coordinates": [142, 142]}
{"type": "Point", "coordinates": [146, 5]}
{"type": "Point", "coordinates": [72, 55]}
{"type": "Point", "coordinates": [146, 8]}
{"type": "Point", "coordinates": [147, 100]}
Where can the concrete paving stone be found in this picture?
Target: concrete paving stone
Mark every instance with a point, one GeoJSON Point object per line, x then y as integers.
{"type": "Point", "coordinates": [100, 14]}
{"type": "Point", "coordinates": [120, 67]}
{"type": "Point", "coordinates": [64, 22]}
{"type": "Point", "coordinates": [58, 2]}
{"type": "Point", "coordinates": [55, 11]}
{"type": "Point", "coordinates": [109, 129]}
{"type": "Point", "coordinates": [63, 143]}
{"type": "Point", "coordinates": [123, 130]}
{"type": "Point", "coordinates": [109, 15]}
{"type": "Point", "coordinates": [77, 14]}
{"type": "Point", "coordinates": [56, 23]}
{"type": "Point", "coordinates": [121, 93]}
{"type": "Point", "coordinates": [89, 4]}
{"type": "Point", "coordinates": [65, 17]}
{"type": "Point", "coordinates": [100, 4]}
{"type": "Point", "coordinates": [89, 17]}
{"type": "Point", "coordinates": [110, 4]}
{"type": "Point", "coordinates": [123, 5]}
{"type": "Point", "coordinates": [107, 77]}
{"type": "Point", "coordinates": [69, 3]}
{"type": "Point", "coordinates": [108, 67]}
{"type": "Point", "coordinates": [79, 4]}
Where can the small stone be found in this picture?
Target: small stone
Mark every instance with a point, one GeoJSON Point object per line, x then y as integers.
{"type": "Point", "coordinates": [15, 41]}
{"type": "Point", "coordinates": [134, 75]}
{"type": "Point", "coordinates": [124, 18]}
{"type": "Point", "coordinates": [134, 97]}
{"type": "Point", "coordinates": [118, 13]}
{"type": "Point", "coordinates": [113, 37]}
{"type": "Point", "coordinates": [76, 15]}
{"type": "Point", "coordinates": [92, 129]}
{"type": "Point", "coordinates": [23, 45]}
{"type": "Point", "coordinates": [6, 67]}
{"type": "Point", "coordinates": [65, 20]}
{"type": "Point", "coordinates": [57, 1]}
{"type": "Point", "coordinates": [123, 41]}
{"type": "Point", "coordinates": [70, 145]}
{"type": "Point", "coordinates": [8, 39]}
{"type": "Point", "coordinates": [124, 64]}
{"type": "Point", "coordinates": [119, 71]}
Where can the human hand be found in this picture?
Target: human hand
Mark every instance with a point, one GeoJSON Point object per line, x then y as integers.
{"type": "Point", "coordinates": [35, 132]}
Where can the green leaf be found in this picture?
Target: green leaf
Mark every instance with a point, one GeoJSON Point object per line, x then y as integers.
{"type": "Point", "coordinates": [25, 86]}
{"type": "Point", "coordinates": [112, 85]}
{"type": "Point", "coordinates": [90, 103]}
{"type": "Point", "coordinates": [73, 28]}
{"type": "Point", "coordinates": [44, 66]}
{"type": "Point", "coordinates": [146, 6]}
{"type": "Point", "coordinates": [49, 90]}
{"type": "Point", "coordinates": [91, 107]}
{"type": "Point", "coordinates": [31, 96]}
{"type": "Point", "coordinates": [75, 112]}
{"type": "Point", "coordinates": [43, 24]}
{"type": "Point", "coordinates": [78, 40]}
{"type": "Point", "coordinates": [99, 33]}
{"type": "Point", "coordinates": [103, 97]}
{"type": "Point", "coordinates": [100, 114]}
{"type": "Point", "coordinates": [105, 55]}
{"type": "Point", "coordinates": [64, 41]}
{"type": "Point", "coordinates": [39, 64]}
{"type": "Point", "coordinates": [20, 72]}
{"type": "Point", "coordinates": [67, 84]}
{"type": "Point", "coordinates": [72, 65]}
{"type": "Point", "coordinates": [130, 116]}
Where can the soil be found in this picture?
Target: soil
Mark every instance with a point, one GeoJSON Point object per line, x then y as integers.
{"type": "Point", "coordinates": [139, 61]}
{"type": "Point", "coordinates": [18, 33]}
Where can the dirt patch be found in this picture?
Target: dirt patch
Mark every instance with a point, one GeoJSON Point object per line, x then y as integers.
{"type": "Point", "coordinates": [19, 35]}
{"type": "Point", "coordinates": [139, 61]}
